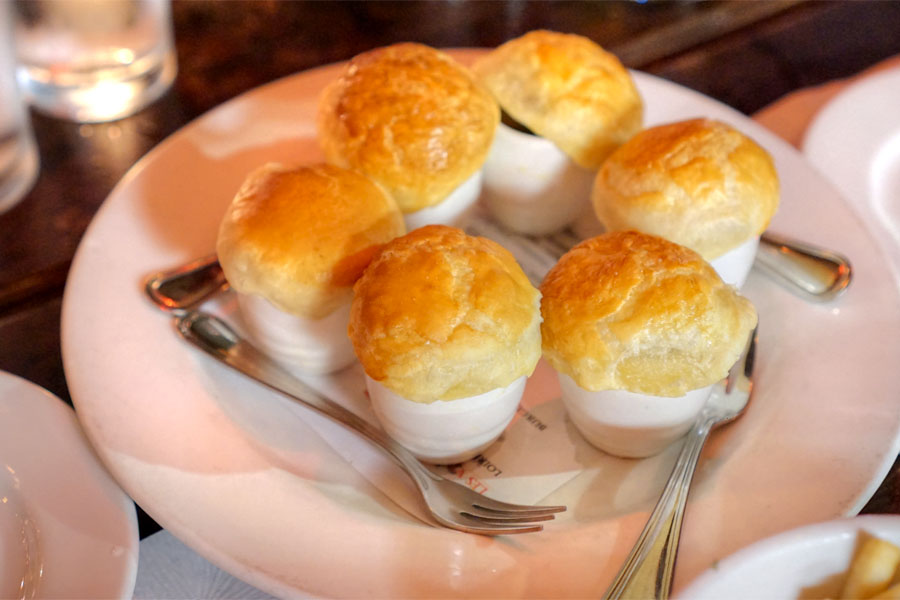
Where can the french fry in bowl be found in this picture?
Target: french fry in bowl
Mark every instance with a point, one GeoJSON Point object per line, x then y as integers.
{"type": "Point", "coordinates": [872, 571]}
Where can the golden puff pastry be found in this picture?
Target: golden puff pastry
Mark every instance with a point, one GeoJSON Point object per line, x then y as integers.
{"type": "Point", "coordinates": [441, 315]}
{"type": "Point", "coordinates": [300, 237]}
{"type": "Point", "coordinates": [699, 183]}
{"type": "Point", "coordinates": [565, 88]}
{"type": "Point", "coordinates": [411, 118]}
{"type": "Point", "coordinates": [631, 311]}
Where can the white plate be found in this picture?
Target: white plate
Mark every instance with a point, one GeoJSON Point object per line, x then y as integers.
{"type": "Point", "coordinates": [239, 474]}
{"type": "Point", "coordinates": [807, 562]}
{"type": "Point", "coordinates": [855, 142]}
{"type": "Point", "coordinates": [66, 529]}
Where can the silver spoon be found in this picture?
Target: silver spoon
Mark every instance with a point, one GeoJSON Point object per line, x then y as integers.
{"type": "Point", "coordinates": [814, 273]}
{"type": "Point", "coordinates": [187, 286]}
{"type": "Point", "coordinates": [811, 272]}
{"type": "Point", "coordinates": [648, 570]}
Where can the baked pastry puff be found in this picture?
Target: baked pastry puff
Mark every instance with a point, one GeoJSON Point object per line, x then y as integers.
{"type": "Point", "coordinates": [700, 183]}
{"type": "Point", "coordinates": [414, 120]}
{"type": "Point", "coordinates": [638, 329]}
{"type": "Point", "coordinates": [292, 243]}
{"type": "Point", "coordinates": [570, 103]}
{"type": "Point", "coordinates": [447, 328]}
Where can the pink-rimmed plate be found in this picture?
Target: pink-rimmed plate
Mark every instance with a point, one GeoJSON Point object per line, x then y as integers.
{"type": "Point", "coordinates": [253, 483]}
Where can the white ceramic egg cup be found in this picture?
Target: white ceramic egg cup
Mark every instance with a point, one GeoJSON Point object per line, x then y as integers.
{"type": "Point", "coordinates": [734, 266]}
{"type": "Point", "coordinates": [454, 210]}
{"type": "Point", "coordinates": [310, 346]}
{"type": "Point", "coordinates": [446, 432]}
{"type": "Point", "coordinates": [531, 186]}
{"type": "Point", "coordinates": [629, 424]}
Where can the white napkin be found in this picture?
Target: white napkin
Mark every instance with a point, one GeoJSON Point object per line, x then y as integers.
{"type": "Point", "coordinates": [167, 569]}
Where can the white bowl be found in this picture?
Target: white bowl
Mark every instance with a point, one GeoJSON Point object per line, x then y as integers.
{"type": "Point", "coordinates": [312, 346]}
{"type": "Point", "coordinates": [807, 562]}
{"type": "Point", "coordinates": [454, 210]}
{"type": "Point", "coordinates": [446, 432]}
{"type": "Point", "coordinates": [531, 186]}
{"type": "Point", "coordinates": [734, 266]}
{"type": "Point", "coordinates": [628, 424]}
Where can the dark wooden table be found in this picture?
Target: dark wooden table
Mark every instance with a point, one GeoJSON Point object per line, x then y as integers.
{"type": "Point", "coordinates": [746, 54]}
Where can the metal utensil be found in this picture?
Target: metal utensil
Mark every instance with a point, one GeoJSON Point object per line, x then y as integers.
{"type": "Point", "coordinates": [182, 288]}
{"type": "Point", "coordinates": [814, 273]}
{"type": "Point", "coordinates": [648, 570]}
{"type": "Point", "coordinates": [451, 504]}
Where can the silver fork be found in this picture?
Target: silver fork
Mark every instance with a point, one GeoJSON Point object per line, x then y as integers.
{"type": "Point", "coordinates": [451, 504]}
{"type": "Point", "coordinates": [648, 570]}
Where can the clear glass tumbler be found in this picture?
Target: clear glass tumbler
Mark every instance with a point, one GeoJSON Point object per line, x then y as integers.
{"type": "Point", "coordinates": [94, 60]}
{"type": "Point", "coordinates": [18, 152]}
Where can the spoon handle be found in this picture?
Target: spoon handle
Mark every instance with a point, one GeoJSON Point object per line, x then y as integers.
{"type": "Point", "coordinates": [648, 570]}
{"type": "Point", "coordinates": [814, 273]}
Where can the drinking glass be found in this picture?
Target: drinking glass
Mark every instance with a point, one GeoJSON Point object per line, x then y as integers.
{"type": "Point", "coordinates": [18, 152]}
{"type": "Point", "coordinates": [93, 60]}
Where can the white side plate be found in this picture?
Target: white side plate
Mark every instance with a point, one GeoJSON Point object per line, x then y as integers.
{"type": "Point", "coordinates": [807, 562]}
{"type": "Point", "coordinates": [66, 529]}
{"type": "Point", "coordinates": [855, 142]}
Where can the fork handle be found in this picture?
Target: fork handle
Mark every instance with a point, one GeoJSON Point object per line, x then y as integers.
{"type": "Point", "coordinates": [218, 339]}
{"type": "Point", "coordinates": [648, 570]}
